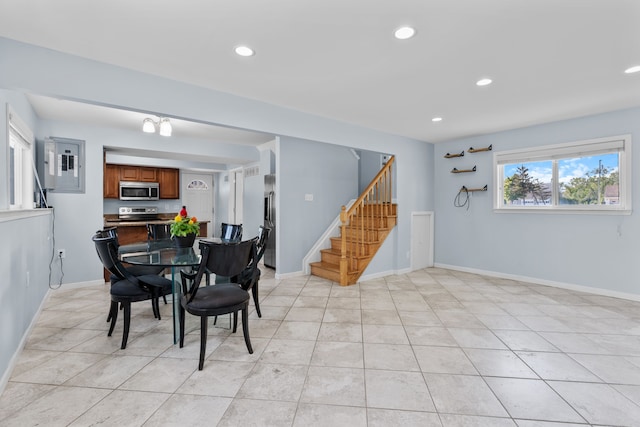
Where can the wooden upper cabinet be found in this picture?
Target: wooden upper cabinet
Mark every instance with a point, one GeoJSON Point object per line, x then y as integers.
{"type": "Point", "coordinates": [169, 180]}
{"type": "Point", "coordinates": [148, 174]}
{"type": "Point", "coordinates": [111, 181]}
{"type": "Point", "coordinates": [129, 173]}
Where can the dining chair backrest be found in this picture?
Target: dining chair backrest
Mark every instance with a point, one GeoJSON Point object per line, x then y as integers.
{"type": "Point", "coordinates": [158, 231]}
{"type": "Point", "coordinates": [263, 236]}
{"type": "Point", "coordinates": [224, 259]}
{"type": "Point", "coordinates": [107, 250]}
{"type": "Point", "coordinates": [231, 232]}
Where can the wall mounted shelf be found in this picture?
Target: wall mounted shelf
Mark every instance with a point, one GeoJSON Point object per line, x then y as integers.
{"type": "Point", "coordinates": [450, 156]}
{"type": "Point", "coordinates": [478, 150]}
{"type": "Point", "coordinates": [456, 170]}
{"type": "Point", "coordinates": [472, 190]}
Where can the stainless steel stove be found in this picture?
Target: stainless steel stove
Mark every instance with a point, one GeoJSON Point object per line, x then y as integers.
{"type": "Point", "coordinates": [138, 213]}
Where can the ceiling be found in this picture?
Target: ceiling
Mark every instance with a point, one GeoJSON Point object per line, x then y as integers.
{"type": "Point", "coordinates": [548, 59]}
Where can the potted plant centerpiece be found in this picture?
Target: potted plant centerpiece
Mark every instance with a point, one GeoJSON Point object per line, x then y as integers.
{"type": "Point", "coordinates": [184, 229]}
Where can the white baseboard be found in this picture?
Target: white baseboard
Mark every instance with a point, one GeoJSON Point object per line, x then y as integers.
{"type": "Point", "coordinates": [288, 275]}
{"type": "Point", "coordinates": [537, 281]}
{"type": "Point", "coordinates": [78, 285]}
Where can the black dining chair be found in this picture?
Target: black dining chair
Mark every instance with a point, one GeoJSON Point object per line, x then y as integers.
{"type": "Point", "coordinates": [225, 259]}
{"type": "Point", "coordinates": [126, 288]}
{"type": "Point", "coordinates": [250, 276]}
{"type": "Point", "coordinates": [158, 231]}
{"type": "Point", "coordinates": [135, 270]}
{"type": "Point", "coordinates": [231, 232]}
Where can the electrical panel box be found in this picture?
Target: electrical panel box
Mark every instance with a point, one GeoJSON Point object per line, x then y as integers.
{"type": "Point", "coordinates": [61, 164]}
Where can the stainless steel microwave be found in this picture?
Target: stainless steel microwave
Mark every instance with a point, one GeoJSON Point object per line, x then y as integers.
{"type": "Point", "coordinates": [139, 190]}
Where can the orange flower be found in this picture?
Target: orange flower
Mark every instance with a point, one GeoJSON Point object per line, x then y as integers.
{"type": "Point", "coordinates": [193, 219]}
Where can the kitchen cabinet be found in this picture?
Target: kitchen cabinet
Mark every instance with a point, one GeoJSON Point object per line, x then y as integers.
{"type": "Point", "coordinates": [111, 181]}
{"type": "Point", "coordinates": [138, 173]}
{"type": "Point", "coordinates": [169, 180]}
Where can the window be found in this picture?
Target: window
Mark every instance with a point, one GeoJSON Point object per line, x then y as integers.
{"type": "Point", "coordinates": [584, 176]}
{"type": "Point", "coordinates": [20, 168]}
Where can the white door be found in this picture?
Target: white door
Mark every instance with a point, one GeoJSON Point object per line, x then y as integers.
{"type": "Point", "coordinates": [197, 196]}
{"type": "Point", "coordinates": [236, 191]}
{"type": "Point", "coordinates": [421, 240]}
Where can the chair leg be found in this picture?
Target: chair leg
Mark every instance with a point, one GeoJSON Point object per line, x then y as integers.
{"type": "Point", "coordinates": [203, 340]}
{"type": "Point", "coordinates": [245, 329]}
{"type": "Point", "coordinates": [181, 319]}
{"type": "Point", "coordinates": [113, 315]}
{"type": "Point", "coordinates": [254, 292]}
{"type": "Point", "coordinates": [164, 297]}
{"type": "Point", "coordinates": [127, 321]}
{"type": "Point", "coordinates": [235, 321]}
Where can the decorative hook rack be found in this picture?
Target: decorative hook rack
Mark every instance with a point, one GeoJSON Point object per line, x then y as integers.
{"type": "Point", "coordinates": [449, 156]}
{"type": "Point", "coordinates": [471, 190]}
{"type": "Point", "coordinates": [456, 170]}
{"type": "Point", "coordinates": [478, 150]}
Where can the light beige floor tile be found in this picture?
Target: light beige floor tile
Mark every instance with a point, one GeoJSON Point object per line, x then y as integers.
{"type": "Point", "coordinates": [305, 315]}
{"type": "Point", "coordinates": [612, 369]}
{"type": "Point", "coordinates": [573, 342]}
{"type": "Point", "coordinates": [163, 375]}
{"type": "Point", "coordinates": [338, 354]}
{"type": "Point", "coordinates": [476, 338]}
{"type": "Point", "coordinates": [288, 352]}
{"type": "Point", "coordinates": [450, 420]}
{"type": "Point", "coordinates": [429, 335]}
{"type": "Point", "coordinates": [18, 395]}
{"type": "Point", "coordinates": [499, 363]}
{"type": "Point", "coordinates": [274, 382]}
{"type": "Point", "coordinates": [389, 417]}
{"type": "Point", "coordinates": [53, 409]}
{"type": "Point", "coordinates": [443, 360]}
{"type": "Point", "coordinates": [524, 341]}
{"type": "Point", "coordinates": [65, 339]}
{"type": "Point", "coordinates": [59, 369]}
{"type": "Point", "coordinates": [217, 378]}
{"type": "Point", "coordinates": [258, 413]}
{"type": "Point", "coordinates": [342, 315]}
{"type": "Point", "coordinates": [598, 403]}
{"type": "Point", "coordinates": [557, 366]}
{"type": "Point", "coordinates": [397, 390]}
{"type": "Point", "coordinates": [380, 317]}
{"type": "Point", "coordinates": [122, 407]}
{"type": "Point", "coordinates": [306, 301]}
{"type": "Point", "coordinates": [384, 334]}
{"type": "Point", "coordinates": [501, 322]}
{"type": "Point", "coordinates": [185, 410]}
{"type": "Point", "coordinates": [346, 303]}
{"type": "Point", "coordinates": [110, 372]}
{"type": "Point", "coordinates": [345, 332]}
{"type": "Point", "coordinates": [325, 415]}
{"type": "Point", "coordinates": [390, 356]}
{"type": "Point", "coordinates": [334, 386]}
{"type": "Point", "coordinates": [463, 395]}
{"type": "Point", "coordinates": [298, 330]}
{"type": "Point", "coordinates": [29, 359]}
{"type": "Point", "coordinates": [419, 318]}
{"type": "Point", "coordinates": [234, 349]}
{"type": "Point", "coordinates": [532, 399]}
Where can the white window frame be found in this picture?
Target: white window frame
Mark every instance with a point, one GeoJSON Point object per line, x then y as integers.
{"type": "Point", "coordinates": [21, 139]}
{"type": "Point", "coordinates": [619, 143]}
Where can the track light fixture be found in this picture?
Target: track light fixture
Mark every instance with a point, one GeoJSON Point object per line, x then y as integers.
{"type": "Point", "coordinates": [163, 126]}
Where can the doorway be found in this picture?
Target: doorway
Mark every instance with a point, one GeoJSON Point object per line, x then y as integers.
{"type": "Point", "coordinates": [421, 240]}
{"type": "Point", "coordinates": [236, 195]}
{"type": "Point", "coordinates": [197, 196]}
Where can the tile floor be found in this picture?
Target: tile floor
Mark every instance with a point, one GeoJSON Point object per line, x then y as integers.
{"type": "Point", "coordinates": [431, 348]}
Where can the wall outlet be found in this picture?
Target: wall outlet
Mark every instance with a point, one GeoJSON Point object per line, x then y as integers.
{"type": "Point", "coordinates": [62, 253]}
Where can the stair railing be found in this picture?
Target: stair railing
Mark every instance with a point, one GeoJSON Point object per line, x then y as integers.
{"type": "Point", "coordinates": [373, 203]}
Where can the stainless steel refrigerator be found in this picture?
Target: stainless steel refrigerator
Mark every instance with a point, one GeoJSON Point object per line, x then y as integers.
{"type": "Point", "coordinates": [270, 219]}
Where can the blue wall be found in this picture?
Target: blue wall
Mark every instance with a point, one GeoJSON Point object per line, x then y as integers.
{"type": "Point", "coordinates": [592, 250]}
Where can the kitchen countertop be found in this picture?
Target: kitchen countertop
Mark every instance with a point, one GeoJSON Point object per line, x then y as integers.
{"type": "Point", "coordinates": [118, 223]}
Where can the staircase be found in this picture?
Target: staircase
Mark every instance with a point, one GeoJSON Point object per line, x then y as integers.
{"type": "Point", "coordinates": [363, 229]}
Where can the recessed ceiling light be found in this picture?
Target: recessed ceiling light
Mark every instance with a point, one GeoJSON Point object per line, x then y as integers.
{"type": "Point", "coordinates": [633, 69]}
{"type": "Point", "coordinates": [436, 119]}
{"type": "Point", "coordinates": [484, 82]}
{"type": "Point", "coordinates": [404, 33]}
{"type": "Point", "coordinates": [244, 51]}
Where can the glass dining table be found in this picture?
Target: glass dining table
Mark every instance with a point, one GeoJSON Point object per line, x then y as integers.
{"type": "Point", "coordinates": [163, 253]}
